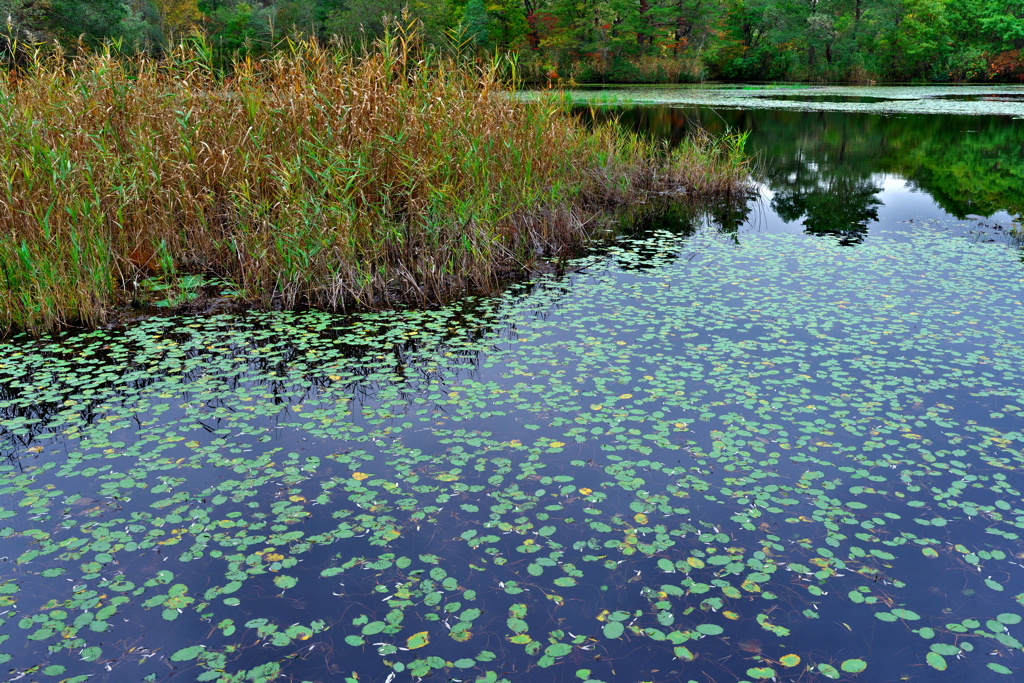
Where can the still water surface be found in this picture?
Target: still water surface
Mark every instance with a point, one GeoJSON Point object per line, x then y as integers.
{"type": "Point", "coordinates": [845, 173]}
{"type": "Point", "coordinates": [779, 440]}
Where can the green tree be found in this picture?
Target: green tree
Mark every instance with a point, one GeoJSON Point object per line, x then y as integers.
{"type": "Point", "coordinates": [477, 22]}
{"type": "Point", "coordinates": [1003, 21]}
{"type": "Point", "coordinates": [912, 40]}
{"type": "Point", "coordinates": [363, 20]}
{"type": "Point", "coordinates": [94, 21]}
{"type": "Point", "coordinates": [232, 26]}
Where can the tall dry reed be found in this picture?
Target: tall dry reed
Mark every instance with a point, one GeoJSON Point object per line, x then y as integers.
{"type": "Point", "coordinates": [315, 177]}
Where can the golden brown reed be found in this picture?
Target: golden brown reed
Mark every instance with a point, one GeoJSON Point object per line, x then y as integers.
{"type": "Point", "coordinates": [317, 177]}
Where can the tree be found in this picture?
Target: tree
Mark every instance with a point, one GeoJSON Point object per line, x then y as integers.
{"type": "Point", "coordinates": [364, 20]}
{"type": "Point", "coordinates": [1003, 21]}
{"type": "Point", "coordinates": [233, 27]}
{"type": "Point", "coordinates": [913, 39]}
{"type": "Point", "coordinates": [176, 17]}
{"type": "Point", "coordinates": [21, 21]}
{"type": "Point", "coordinates": [477, 22]}
{"type": "Point", "coordinates": [94, 21]}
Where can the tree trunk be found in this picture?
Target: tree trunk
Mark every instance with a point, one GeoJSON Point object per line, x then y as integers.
{"type": "Point", "coordinates": [643, 38]}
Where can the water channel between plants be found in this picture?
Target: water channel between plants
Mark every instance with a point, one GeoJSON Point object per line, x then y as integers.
{"type": "Point", "coordinates": [773, 438]}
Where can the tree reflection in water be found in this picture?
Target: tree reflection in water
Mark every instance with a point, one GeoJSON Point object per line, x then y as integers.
{"type": "Point", "coordinates": [826, 169]}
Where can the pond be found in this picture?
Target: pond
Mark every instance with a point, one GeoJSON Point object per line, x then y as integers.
{"type": "Point", "coordinates": [830, 165]}
{"type": "Point", "coordinates": [736, 444]}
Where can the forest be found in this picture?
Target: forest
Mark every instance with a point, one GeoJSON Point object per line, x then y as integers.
{"type": "Point", "coordinates": [598, 41]}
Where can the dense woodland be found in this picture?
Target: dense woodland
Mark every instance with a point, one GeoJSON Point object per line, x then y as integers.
{"type": "Point", "coordinates": [588, 40]}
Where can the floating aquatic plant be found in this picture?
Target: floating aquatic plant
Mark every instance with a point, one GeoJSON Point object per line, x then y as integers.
{"type": "Point", "coordinates": [755, 461]}
{"type": "Point", "coordinates": [992, 100]}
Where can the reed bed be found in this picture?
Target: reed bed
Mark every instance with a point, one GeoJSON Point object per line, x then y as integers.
{"type": "Point", "coordinates": [316, 177]}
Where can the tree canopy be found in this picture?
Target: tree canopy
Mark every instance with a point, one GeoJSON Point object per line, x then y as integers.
{"type": "Point", "coordinates": [590, 40]}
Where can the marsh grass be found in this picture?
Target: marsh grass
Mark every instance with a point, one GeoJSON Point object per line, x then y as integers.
{"type": "Point", "coordinates": [318, 177]}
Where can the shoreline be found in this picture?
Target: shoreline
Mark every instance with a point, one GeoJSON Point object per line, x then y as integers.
{"type": "Point", "coordinates": [317, 180]}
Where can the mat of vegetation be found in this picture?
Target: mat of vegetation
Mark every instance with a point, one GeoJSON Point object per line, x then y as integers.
{"type": "Point", "coordinates": [692, 460]}
{"type": "Point", "coordinates": [1004, 100]}
{"type": "Point", "coordinates": [313, 178]}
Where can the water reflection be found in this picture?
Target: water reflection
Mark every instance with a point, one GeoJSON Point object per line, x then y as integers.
{"type": "Point", "coordinates": [830, 173]}
{"type": "Point", "coordinates": [836, 206]}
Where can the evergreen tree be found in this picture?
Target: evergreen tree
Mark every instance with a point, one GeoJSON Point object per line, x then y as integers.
{"type": "Point", "coordinates": [93, 21]}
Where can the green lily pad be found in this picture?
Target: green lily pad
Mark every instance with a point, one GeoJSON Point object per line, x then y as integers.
{"type": "Point", "coordinates": [613, 629]}
{"type": "Point", "coordinates": [854, 666]}
{"type": "Point", "coordinates": [936, 661]}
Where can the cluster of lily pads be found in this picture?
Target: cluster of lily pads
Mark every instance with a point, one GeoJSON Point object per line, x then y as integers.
{"type": "Point", "coordinates": [886, 99]}
{"type": "Point", "coordinates": [689, 460]}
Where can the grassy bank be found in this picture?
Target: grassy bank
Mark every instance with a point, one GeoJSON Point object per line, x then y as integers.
{"type": "Point", "coordinates": [315, 178]}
